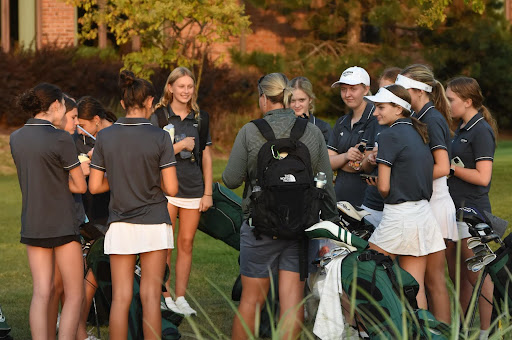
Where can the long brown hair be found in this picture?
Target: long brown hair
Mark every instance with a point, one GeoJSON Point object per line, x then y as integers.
{"type": "Point", "coordinates": [401, 92]}
{"type": "Point", "coordinates": [422, 73]}
{"type": "Point", "coordinates": [167, 97]}
{"type": "Point", "coordinates": [467, 88]}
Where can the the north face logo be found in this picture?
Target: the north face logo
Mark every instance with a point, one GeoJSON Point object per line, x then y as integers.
{"type": "Point", "coordinates": [288, 178]}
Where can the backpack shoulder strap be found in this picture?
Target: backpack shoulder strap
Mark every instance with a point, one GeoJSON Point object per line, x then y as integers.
{"type": "Point", "coordinates": [265, 129]}
{"type": "Point", "coordinates": [298, 128]}
{"type": "Point", "coordinates": [162, 115]}
{"type": "Point", "coordinates": [203, 125]}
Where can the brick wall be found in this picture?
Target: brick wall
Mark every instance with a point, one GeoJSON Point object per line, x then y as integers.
{"type": "Point", "coordinates": [270, 33]}
{"type": "Point", "coordinates": [58, 23]}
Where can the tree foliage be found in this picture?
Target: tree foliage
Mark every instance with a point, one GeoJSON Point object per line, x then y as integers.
{"type": "Point", "coordinates": [171, 33]}
{"type": "Point", "coordinates": [459, 37]}
{"type": "Point", "coordinates": [482, 51]}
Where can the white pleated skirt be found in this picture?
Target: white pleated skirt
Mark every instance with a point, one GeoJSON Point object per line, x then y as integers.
{"type": "Point", "coordinates": [127, 238]}
{"type": "Point", "coordinates": [408, 228]}
{"type": "Point", "coordinates": [444, 210]}
{"type": "Point", "coordinates": [186, 203]}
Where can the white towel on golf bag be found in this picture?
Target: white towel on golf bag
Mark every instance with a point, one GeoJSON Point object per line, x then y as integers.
{"type": "Point", "coordinates": [329, 322]}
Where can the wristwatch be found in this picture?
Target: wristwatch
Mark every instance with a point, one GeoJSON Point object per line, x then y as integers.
{"type": "Point", "coordinates": [452, 172]}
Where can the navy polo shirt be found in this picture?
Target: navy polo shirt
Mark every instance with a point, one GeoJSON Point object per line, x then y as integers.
{"type": "Point", "coordinates": [437, 126]}
{"type": "Point", "coordinates": [83, 143]}
{"type": "Point", "coordinates": [95, 206]}
{"type": "Point", "coordinates": [323, 126]}
{"type": "Point", "coordinates": [372, 198]}
{"type": "Point", "coordinates": [349, 186]}
{"type": "Point", "coordinates": [472, 143]}
{"type": "Point", "coordinates": [44, 155]}
{"type": "Point", "coordinates": [411, 162]}
{"type": "Point", "coordinates": [190, 175]}
{"type": "Point", "coordinates": [133, 152]}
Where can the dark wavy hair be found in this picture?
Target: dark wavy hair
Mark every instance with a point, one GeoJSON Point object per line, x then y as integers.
{"type": "Point", "coordinates": [134, 91]}
{"type": "Point", "coordinates": [39, 98]}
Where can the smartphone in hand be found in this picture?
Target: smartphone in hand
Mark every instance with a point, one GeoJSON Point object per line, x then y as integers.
{"type": "Point", "coordinates": [456, 161]}
{"type": "Point", "coordinates": [364, 177]}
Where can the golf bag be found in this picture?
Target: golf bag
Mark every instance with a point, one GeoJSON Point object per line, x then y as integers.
{"type": "Point", "coordinates": [4, 327]}
{"type": "Point", "coordinates": [224, 219]}
{"type": "Point", "coordinates": [100, 266]}
{"type": "Point", "coordinates": [488, 228]}
{"type": "Point", "coordinates": [384, 294]}
{"type": "Point", "coordinates": [500, 271]}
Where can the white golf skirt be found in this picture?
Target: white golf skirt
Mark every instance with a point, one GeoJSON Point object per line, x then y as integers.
{"type": "Point", "coordinates": [444, 210]}
{"type": "Point", "coordinates": [408, 228]}
{"type": "Point", "coordinates": [186, 203]}
{"type": "Point", "coordinates": [127, 238]}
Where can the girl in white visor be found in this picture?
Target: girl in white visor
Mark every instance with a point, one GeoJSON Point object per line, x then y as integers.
{"type": "Point", "coordinates": [408, 228]}
{"type": "Point", "coordinates": [431, 107]}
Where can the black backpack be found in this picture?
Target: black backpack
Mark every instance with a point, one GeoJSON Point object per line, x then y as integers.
{"type": "Point", "coordinates": [284, 200]}
{"type": "Point", "coordinates": [203, 123]}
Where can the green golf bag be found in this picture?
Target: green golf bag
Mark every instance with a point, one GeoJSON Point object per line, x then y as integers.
{"type": "Point", "coordinates": [224, 219]}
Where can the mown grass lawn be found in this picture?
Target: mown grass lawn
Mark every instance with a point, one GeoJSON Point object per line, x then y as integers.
{"type": "Point", "coordinates": [215, 265]}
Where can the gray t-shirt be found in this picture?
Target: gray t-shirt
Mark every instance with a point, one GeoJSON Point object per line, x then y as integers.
{"type": "Point", "coordinates": [242, 165]}
{"type": "Point", "coordinates": [411, 162]}
{"type": "Point", "coordinates": [44, 155]}
{"type": "Point", "coordinates": [133, 152]}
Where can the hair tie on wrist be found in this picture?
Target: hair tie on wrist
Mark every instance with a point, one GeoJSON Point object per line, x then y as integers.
{"type": "Point", "coordinates": [207, 195]}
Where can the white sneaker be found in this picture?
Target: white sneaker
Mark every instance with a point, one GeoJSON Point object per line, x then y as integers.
{"type": "Point", "coordinates": [91, 337]}
{"type": "Point", "coordinates": [184, 307]}
{"type": "Point", "coordinates": [172, 306]}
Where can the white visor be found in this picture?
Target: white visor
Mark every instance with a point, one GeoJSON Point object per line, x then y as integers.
{"type": "Point", "coordinates": [386, 96]}
{"type": "Point", "coordinates": [409, 83]}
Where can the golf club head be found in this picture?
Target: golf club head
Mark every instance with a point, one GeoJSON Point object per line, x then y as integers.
{"type": "Point", "coordinates": [487, 259]}
{"type": "Point", "coordinates": [474, 242]}
{"type": "Point", "coordinates": [489, 238]}
{"type": "Point", "coordinates": [482, 251]}
{"type": "Point", "coordinates": [483, 227]}
{"type": "Point", "coordinates": [478, 248]}
{"type": "Point", "coordinates": [476, 258]}
{"type": "Point", "coordinates": [475, 265]}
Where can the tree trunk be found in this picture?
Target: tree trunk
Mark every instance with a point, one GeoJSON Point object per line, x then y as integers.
{"type": "Point", "coordinates": [354, 22]}
{"type": "Point", "coordinates": [102, 27]}
{"type": "Point", "coordinates": [6, 32]}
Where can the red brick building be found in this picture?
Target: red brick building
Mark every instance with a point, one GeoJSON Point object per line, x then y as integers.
{"type": "Point", "coordinates": [36, 23]}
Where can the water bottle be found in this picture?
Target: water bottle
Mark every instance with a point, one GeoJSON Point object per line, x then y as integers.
{"type": "Point", "coordinates": [320, 180]}
{"type": "Point", "coordinates": [170, 129]}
